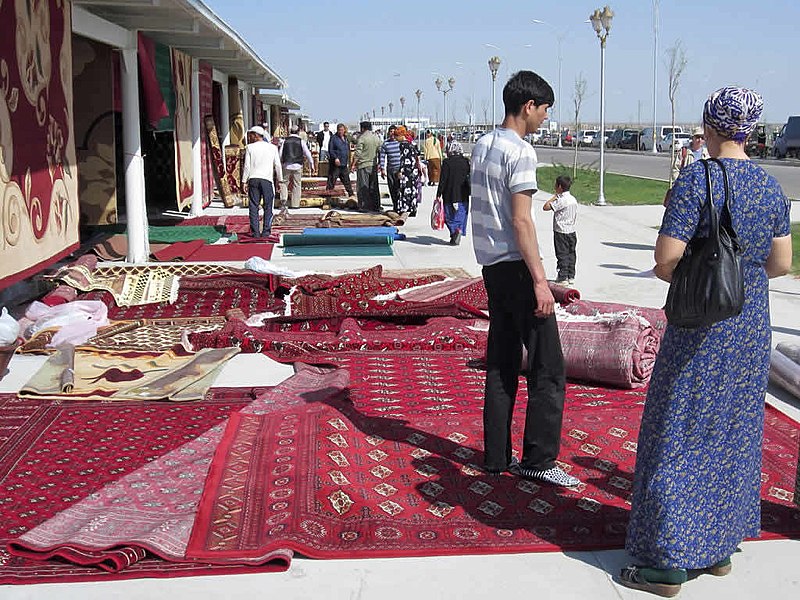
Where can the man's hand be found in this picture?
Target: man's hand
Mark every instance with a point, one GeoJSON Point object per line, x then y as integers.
{"type": "Point", "coordinates": [337, 162]}
{"type": "Point", "coordinates": [544, 299]}
{"type": "Point", "coordinates": [383, 174]}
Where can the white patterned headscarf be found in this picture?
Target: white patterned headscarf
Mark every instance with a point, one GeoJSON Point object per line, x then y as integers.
{"type": "Point", "coordinates": [733, 112]}
{"type": "Point", "coordinates": [455, 148]}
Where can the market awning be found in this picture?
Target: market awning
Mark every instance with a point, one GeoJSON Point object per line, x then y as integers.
{"type": "Point", "coordinates": [279, 100]}
{"type": "Point", "coordinates": [192, 27]}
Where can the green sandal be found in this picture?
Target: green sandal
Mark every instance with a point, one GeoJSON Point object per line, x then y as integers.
{"type": "Point", "coordinates": [661, 582]}
{"type": "Point", "coordinates": [721, 568]}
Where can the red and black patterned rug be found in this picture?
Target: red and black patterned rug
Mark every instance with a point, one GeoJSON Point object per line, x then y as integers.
{"type": "Point", "coordinates": [53, 455]}
{"type": "Point", "coordinates": [395, 471]}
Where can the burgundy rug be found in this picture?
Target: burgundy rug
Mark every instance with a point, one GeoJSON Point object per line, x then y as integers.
{"type": "Point", "coordinates": [231, 252]}
{"type": "Point", "coordinates": [394, 471]}
{"type": "Point", "coordinates": [52, 456]}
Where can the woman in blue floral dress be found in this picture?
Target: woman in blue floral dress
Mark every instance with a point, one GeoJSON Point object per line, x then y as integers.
{"type": "Point", "coordinates": [698, 467]}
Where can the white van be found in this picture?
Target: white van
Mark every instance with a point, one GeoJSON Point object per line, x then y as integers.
{"type": "Point", "coordinates": [646, 139]}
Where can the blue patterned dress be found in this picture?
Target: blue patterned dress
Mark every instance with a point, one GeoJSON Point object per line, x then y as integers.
{"type": "Point", "coordinates": [698, 467]}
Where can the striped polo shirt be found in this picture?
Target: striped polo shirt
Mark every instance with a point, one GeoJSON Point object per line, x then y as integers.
{"type": "Point", "coordinates": [390, 153]}
{"type": "Point", "coordinates": [565, 213]}
{"type": "Point", "coordinates": [502, 164]}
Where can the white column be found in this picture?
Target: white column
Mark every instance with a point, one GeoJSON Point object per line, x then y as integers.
{"type": "Point", "coordinates": [197, 156]}
{"type": "Point", "coordinates": [135, 201]}
{"type": "Point", "coordinates": [225, 117]}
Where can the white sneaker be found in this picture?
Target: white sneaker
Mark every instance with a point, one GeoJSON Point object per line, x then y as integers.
{"type": "Point", "coordinates": [553, 475]}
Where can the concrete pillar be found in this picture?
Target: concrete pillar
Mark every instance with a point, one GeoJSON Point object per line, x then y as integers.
{"type": "Point", "coordinates": [197, 155]}
{"type": "Point", "coordinates": [225, 126]}
{"type": "Point", "coordinates": [135, 200]}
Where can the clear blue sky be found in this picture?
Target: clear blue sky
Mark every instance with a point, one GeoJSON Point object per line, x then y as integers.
{"type": "Point", "coordinates": [343, 59]}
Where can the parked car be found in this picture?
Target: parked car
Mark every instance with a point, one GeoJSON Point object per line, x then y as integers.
{"type": "Point", "coordinates": [677, 139]}
{"type": "Point", "coordinates": [630, 140]}
{"type": "Point", "coordinates": [596, 139]}
{"type": "Point", "coordinates": [585, 137]}
{"type": "Point", "coordinates": [618, 135]}
{"type": "Point", "coordinates": [788, 141]}
{"type": "Point", "coordinates": [477, 135]}
{"type": "Point", "coordinates": [646, 138]}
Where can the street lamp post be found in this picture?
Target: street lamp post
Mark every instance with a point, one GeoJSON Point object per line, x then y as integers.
{"type": "Point", "coordinates": [559, 38]}
{"type": "Point", "coordinates": [391, 107]}
{"type": "Point", "coordinates": [601, 23]}
{"type": "Point", "coordinates": [494, 66]}
{"type": "Point", "coordinates": [418, 94]}
{"type": "Point", "coordinates": [655, 70]}
{"type": "Point", "coordinates": [439, 86]}
{"type": "Point", "coordinates": [403, 109]}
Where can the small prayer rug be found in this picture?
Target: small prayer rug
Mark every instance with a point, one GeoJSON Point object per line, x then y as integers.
{"type": "Point", "coordinates": [129, 287]}
{"type": "Point", "coordinates": [91, 374]}
{"type": "Point", "coordinates": [151, 334]}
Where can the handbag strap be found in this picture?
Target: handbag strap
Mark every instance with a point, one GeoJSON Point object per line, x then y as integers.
{"type": "Point", "coordinates": [728, 193]}
{"type": "Point", "coordinates": [713, 220]}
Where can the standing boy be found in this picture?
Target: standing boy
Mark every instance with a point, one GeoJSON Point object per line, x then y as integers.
{"type": "Point", "coordinates": [565, 213]}
{"type": "Point", "coordinates": [503, 178]}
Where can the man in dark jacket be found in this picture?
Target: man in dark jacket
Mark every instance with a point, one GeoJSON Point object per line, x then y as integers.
{"type": "Point", "coordinates": [339, 154]}
{"type": "Point", "coordinates": [293, 151]}
{"type": "Point", "coordinates": [454, 190]}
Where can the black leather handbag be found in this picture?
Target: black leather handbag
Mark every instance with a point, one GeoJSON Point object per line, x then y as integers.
{"type": "Point", "coordinates": [708, 282]}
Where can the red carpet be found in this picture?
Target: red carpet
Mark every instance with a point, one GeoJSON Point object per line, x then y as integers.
{"type": "Point", "coordinates": [231, 252]}
{"type": "Point", "coordinates": [394, 472]}
{"type": "Point", "coordinates": [53, 455]}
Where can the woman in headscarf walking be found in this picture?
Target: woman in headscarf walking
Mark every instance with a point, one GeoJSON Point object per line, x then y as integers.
{"type": "Point", "coordinates": [410, 169]}
{"type": "Point", "coordinates": [454, 190]}
{"type": "Point", "coordinates": [696, 488]}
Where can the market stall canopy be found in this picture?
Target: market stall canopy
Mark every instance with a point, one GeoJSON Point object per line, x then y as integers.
{"type": "Point", "coordinates": [189, 26]}
{"type": "Point", "coordinates": [279, 100]}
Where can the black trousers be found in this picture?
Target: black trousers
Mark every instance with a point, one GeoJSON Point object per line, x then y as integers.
{"type": "Point", "coordinates": [565, 254]}
{"type": "Point", "coordinates": [367, 189]}
{"type": "Point", "coordinates": [343, 173]}
{"type": "Point", "coordinates": [393, 181]}
{"type": "Point", "coordinates": [258, 190]}
{"type": "Point", "coordinates": [512, 324]}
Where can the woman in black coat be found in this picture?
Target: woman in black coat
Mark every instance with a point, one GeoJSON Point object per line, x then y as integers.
{"type": "Point", "coordinates": [454, 191]}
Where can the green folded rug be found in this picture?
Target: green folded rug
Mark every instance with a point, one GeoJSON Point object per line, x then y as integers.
{"type": "Point", "coordinates": [170, 235]}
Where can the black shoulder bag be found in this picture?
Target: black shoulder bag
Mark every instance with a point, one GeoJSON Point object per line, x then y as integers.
{"type": "Point", "coordinates": [708, 282]}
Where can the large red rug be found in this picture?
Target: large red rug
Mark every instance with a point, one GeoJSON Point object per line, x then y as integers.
{"type": "Point", "coordinates": [394, 471]}
{"type": "Point", "coordinates": [52, 456]}
{"type": "Point", "coordinates": [231, 252]}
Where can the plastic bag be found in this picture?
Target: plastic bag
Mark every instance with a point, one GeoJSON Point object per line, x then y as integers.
{"type": "Point", "coordinates": [437, 215]}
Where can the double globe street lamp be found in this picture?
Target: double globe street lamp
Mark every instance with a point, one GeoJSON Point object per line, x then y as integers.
{"type": "Point", "coordinates": [494, 66]}
{"type": "Point", "coordinates": [440, 86]}
{"type": "Point", "coordinates": [601, 23]}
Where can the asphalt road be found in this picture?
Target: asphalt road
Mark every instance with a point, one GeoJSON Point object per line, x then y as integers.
{"type": "Point", "coordinates": [657, 165]}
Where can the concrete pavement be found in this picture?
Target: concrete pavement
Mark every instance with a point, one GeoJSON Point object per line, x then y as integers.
{"type": "Point", "coordinates": [615, 246]}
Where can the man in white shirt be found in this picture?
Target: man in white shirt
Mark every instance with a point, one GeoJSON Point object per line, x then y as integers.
{"type": "Point", "coordinates": [503, 179]}
{"type": "Point", "coordinates": [323, 139]}
{"type": "Point", "coordinates": [261, 164]}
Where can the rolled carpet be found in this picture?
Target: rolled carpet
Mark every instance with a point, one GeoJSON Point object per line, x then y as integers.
{"type": "Point", "coordinates": [357, 231]}
{"type": "Point", "coordinates": [790, 350]}
{"type": "Point", "coordinates": [784, 372]}
{"type": "Point", "coordinates": [613, 349]}
{"type": "Point", "coordinates": [564, 295]}
{"type": "Point", "coordinates": [329, 239]}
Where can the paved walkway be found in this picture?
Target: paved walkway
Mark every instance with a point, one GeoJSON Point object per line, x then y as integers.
{"type": "Point", "coordinates": [615, 245]}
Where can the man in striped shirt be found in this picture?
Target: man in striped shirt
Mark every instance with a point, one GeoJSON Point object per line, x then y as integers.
{"type": "Point", "coordinates": [503, 180]}
{"type": "Point", "coordinates": [389, 155]}
{"type": "Point", "coordinates": [565, 213]}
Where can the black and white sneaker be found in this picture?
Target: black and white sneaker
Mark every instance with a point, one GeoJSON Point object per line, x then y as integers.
{"type": "Point", "coordinates": [554, 475]}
